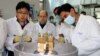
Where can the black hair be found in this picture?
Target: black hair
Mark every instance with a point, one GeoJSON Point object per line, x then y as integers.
{"type": "Point", "coordinates": [65, 7]}
{"type": "Point", "coordinates": [23, 4]}
{"type": "Point", "coordinates": [56, 8]}
{"type": "Point", "coordinates": [83, 12]}
{"type": "Point", "coordinates": [51, 17]}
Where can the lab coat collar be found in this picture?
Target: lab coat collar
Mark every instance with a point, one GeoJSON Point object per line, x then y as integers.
{"type": "Point", "coordinates": [44, 26]}
{"type": "Point", "coordinates": [80, 17]}
{"type": "Point", "coordinates": [19, 26]}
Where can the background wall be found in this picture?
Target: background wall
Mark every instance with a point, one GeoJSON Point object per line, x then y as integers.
{"type": "Point", "coordinates": [8, 7]}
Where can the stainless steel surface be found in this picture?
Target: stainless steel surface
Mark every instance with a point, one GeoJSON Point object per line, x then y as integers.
{"type": "Point", "coordinates": [28, 49]}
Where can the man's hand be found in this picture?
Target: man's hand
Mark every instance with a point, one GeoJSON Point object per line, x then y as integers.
{"type": "Point", "coordinates": [27, 39]}
{"type": "Point", "coordinates": [16, 39]}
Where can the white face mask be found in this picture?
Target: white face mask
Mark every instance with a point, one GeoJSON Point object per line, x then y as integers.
{"type": "Point", "coordinates": [69, 20]}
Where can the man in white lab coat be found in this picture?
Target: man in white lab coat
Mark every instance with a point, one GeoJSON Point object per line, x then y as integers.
{"type": "Point", "coordinates": [18, 26]}
{"type": "Point", "coordinates": [43, 26]}
{"type": "Point", "coordinates": [3, 35]}
{"type": "Point", "coordinates": [63, 28]}
{"type": "Point", "coordinates": [86, 35]}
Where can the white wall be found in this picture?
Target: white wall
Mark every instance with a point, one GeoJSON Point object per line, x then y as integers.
{"type": "Point", "coordinates": [8, 7]}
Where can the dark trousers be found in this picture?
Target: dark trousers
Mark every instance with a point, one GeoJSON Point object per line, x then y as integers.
{"type": "Point", "coordinates": [10, 53]}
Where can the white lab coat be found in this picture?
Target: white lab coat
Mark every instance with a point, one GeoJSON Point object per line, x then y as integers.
{"type": "Point", "coordinates": [3, 35]}
{"type": "Point", "coordinates": [14, 28]}
{"type": "Point", "coordinates": [86, 36]}
{"type": "Point", "coordinates": [49, 28]}
{"type": "Point", "coordinates": [66, 30]}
